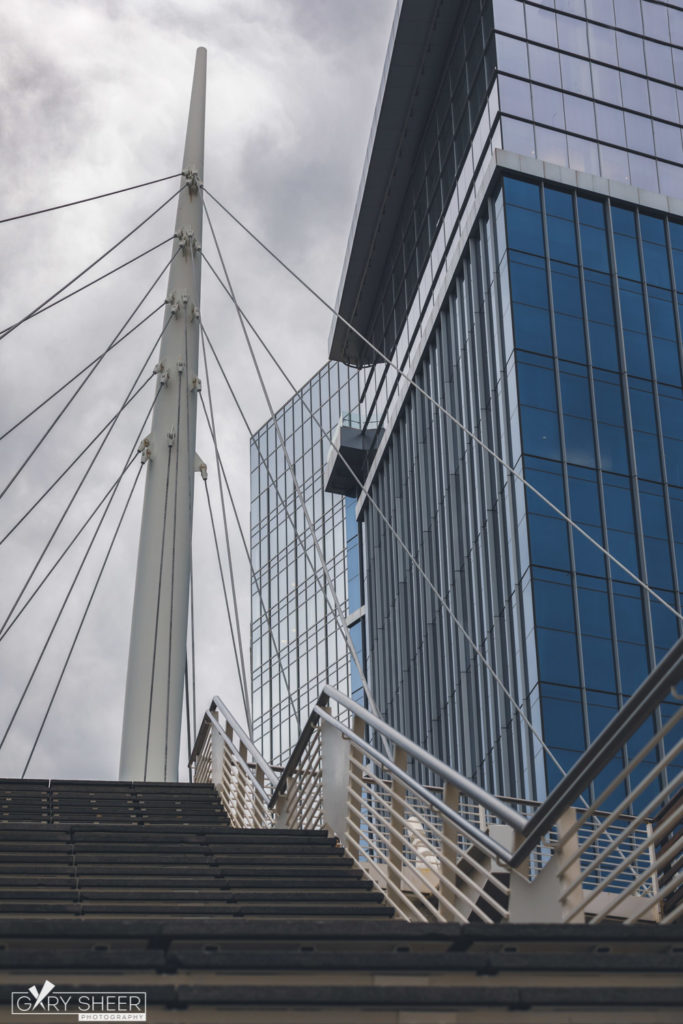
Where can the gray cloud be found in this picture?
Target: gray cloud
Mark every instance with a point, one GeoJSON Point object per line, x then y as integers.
{"type": "Point", "coordinates": [94, 97]}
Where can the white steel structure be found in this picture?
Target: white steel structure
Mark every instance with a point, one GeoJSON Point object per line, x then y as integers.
{"type": "Point", "coordinates": [156, 661]}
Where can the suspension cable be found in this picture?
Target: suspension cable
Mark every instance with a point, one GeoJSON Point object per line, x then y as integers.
{"type": "Point", "coordinates": [187, 721]}
{"type": "Point", "coordinates": [242, 680]}
{"type": "Point", "coordinates": [192, 648]}
{"type": "Point", "coordinates": [73, 462]}
{"type": "Point", "coordinates": [80, 484]}
{"type": "Point", "coordinates": [158, 610]}
{"type": "Point", "coordinates": [96, 280]}
{"type": "Point", "coordinates": [254, 576]}
{"type": "Point", "coordinates": [231, 573]}
{"type": "Point", "coordinates": [38, 308]}
{"type": "Point", "coordinates": [80, 626]}
{"type": "Point", "coordinates": [80, 373]}
{"type": "Point", "coordinates": [442, 601]}
{"type": "Point", "coordinates": [89, 199]}
{"type": "Point", "coordinates": [129, 461]}
{"type": "Point", "coordinates": [395, 366]}
{"type": "Point", "coordinates": [63, 606]}
{"type": "Point", "coordinates": [476, 650]}
{"type": "Point", "coordinates": [85, 380]}
{"type": "Point", "coordinates": [338, 608]}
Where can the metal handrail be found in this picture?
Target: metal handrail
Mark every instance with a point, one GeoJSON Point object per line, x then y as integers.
{"type": "Point", "coordinates": [255, 753]}
{"type": "Point", "coordinates": [611, 740]}
{"type": "Point", "coordinates": [493, 847]}
{"type": "Point", "coordinates": [465, 785]}
{"type": "Point", "coordinates": [210, 720]}
{"type": "Point", "coordinates": [238, 756]}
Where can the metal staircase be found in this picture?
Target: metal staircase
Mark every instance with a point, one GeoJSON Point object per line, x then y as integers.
{"type": "Point", "coordinates": [156, 849]}
{"type": "Point", "coordinates": [147, 888]}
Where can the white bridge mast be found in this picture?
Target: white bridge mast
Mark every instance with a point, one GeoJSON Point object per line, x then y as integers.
{"type": "Point", "coordinates": [150, 743]}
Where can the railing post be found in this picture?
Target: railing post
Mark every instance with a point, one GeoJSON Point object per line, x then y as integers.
{"type": "Point", "coordinates": [543, 901]}
{"type": "Point", "coordinates": [656, 902]}
{"type": "Point", "coordinates": [397, 821]}
{"type": "Point", "coordinates": [565, 850]}
{"type": "Point", "coordinates": [451, 797]}
{"type": "Point", "coordinates": [353, 803]}
{"type": "Point", "coordinates": [334, 757]}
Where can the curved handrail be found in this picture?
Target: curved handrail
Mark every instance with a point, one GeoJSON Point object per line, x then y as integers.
{"type": "Point", "coordinates": [463, 824]}
{"type": "Point", "coordinates": [236, 753]}
{"type": "Point", "coordinates": [209, 719]}
{"type": "Point", "coordinates": [465, 785]}
{"type": "Point", "coordinates": [256, 754]}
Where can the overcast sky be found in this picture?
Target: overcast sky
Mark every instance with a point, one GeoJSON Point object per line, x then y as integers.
{"type": "Point", "coordinates": [95, 97]}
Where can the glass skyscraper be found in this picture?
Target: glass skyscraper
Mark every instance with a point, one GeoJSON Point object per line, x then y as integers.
{"type": "Point", "coordinates": [517, 249]}
{"type": "Point", "coordinates": [296, 644]}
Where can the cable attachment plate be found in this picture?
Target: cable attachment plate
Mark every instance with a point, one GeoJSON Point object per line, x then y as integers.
{"type": "Point", "coordinates": [196, 384]}
{"type": "Point", "coordinates": [200, 466]}
{"type": "Point", "coordinates": [161, 373]}
{"type": "Point", "coordinates": [170, 437]}
{"type": "Point", "coordinates": [145, 449]}
{"type": "Point", "coordinates": [172, 303]}
{"type": "Point", "coordinates": [193, 181]}
{"type": "Point", "coordinates": [187, 243]}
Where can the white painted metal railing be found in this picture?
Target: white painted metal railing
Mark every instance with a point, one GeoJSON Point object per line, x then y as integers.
{"type": "Point", "coordinates": [224, 755]}
{"type": "Point", "coordinates": [450, 851]}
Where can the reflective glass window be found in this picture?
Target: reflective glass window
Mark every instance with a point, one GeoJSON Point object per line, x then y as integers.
{"type": "Point", "coordinates": [540, 433]}
{"type": "Point", "coordinates": [598, 290]}
{"type": "Point", "coordinates": [639, 132]}
{"type": "Point", "coordinates": [628, 257]}
{"type": "Point", "coordinates": [593, 240]}
{"type": "Point", "coordinates": [548, 106]}
{"type": "Point", "coordinates": [579, 115]}
{"type": "Point", "coordinates": [554, 604]}
{"type": "Point", "coordinates": [668, 141]}
{"type": "Point", "coordinates": [511, 56]}
{"type": "Point", "coordinates": [562, 720]}
{"type": "Point", "coordinates": [572, 35]}
{"type": "Point", "coordinates": [509, 17]}
{"type": "Point", "coordinates": [630, 53]}
{"type": "Point", "coordinates": [576, 74]}
{"type": "Point", "coordinates": [658, 60]}
{"type": "Point", "coordinates": [557, 656]}
{"type": "Point", "coordinates": [541, 25]}
{"type": "Point", "coordinates": [544, 65]}
{"type": "Point", "coordinates": [606, 84]}
{"type": "Point", "coordinates": [614, 163]}
{"type": "Point", "coordinates": [663, 101]}
{"type": "Point", "coordinates": [643, 172]}
{"type": "Point", "coordinates": [515, 96]}
{"type": "Point", "coordinates": [602, 43]}
{"type": "Point", "coordinates": [598, 663]}
{"type": "Point", "coordinates": [551, 146]}
{"type": "Point", "coordinates": [634, 92]}
{"type": "Point", "coordinates": [610, 124]}
{"type": "Point", "coordinates": [655, 21]}
{"type": "Point", "coordinates": [583, 154]}
{"type": "Point", "coordinates": [628, 16]}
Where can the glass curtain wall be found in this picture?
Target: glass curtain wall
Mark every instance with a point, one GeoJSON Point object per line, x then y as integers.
{"type": "Point", "coordinates": [296, 645]}
{"type": "Point", "coordinates": [561, 349]}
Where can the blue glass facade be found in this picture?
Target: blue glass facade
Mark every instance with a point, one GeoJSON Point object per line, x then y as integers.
{"type": "Point", "coordinates": [596, 316]}
{"type": "Point", "coordinates": [540, 304]}
{"type": "Point", "coordinates": [296, 646]}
